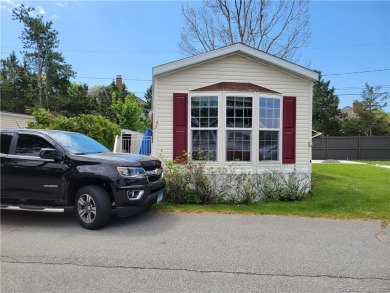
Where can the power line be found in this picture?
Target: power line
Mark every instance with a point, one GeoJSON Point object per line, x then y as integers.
{"type": "Point", "coordinates": [96, 77]}
{"type": "Point", "coordinates": [357, 72]}
{"type": "Point", "coordinates": [357, 88]}
{"type": "Point", "coordinates": [347, 46]}
{"type": "Point", "coordinates": [103, 51]}
{"type": "Point", "coordinates": [175, 52]}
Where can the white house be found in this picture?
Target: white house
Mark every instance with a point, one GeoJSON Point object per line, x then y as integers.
{"type": "Point", "coordinates": [234, 104]}
{"type": "Point", "coordinates": [14, 120]}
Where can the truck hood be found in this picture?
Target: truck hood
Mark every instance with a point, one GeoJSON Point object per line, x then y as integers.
{"type": "Point", "coordinates": [123, 159]}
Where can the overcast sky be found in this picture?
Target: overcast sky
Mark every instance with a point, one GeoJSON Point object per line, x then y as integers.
{"type": "Point", "coordinates": [350, 41]}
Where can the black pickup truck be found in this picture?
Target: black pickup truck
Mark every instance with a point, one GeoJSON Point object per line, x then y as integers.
{"type": "Point", "coordinates": [51, 169]}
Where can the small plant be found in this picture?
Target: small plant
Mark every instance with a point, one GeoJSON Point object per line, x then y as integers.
{"type": "Point", "coordinates": [242, 187]}
{"type": "Point", "coordinates": [297, 186]}
{"type": "Point", "coordinates": [177, 180]}
{"type": "Point", "coordinates": [269, 185]}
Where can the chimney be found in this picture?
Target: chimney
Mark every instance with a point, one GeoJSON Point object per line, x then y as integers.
{"type": "Point", "coordinates": [355, 106]}
{"type": "Point", "coordinates": [119, 82]}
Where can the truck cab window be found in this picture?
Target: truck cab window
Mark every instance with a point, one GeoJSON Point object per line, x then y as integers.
{"type": "Point", "coordinates": [30, 145]}
{"type": "Point", "coordinates": [5, 142]}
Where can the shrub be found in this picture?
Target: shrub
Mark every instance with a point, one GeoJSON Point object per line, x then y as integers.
{"type": "Point", "coordinates": [189, 181]}
{"type": "Point", "coordinates": [297, 186]}
{"type": "Point", "coordinates": [242, 188]}
{"type": "Point", "coordinates": [95, 126]}
{"type": "Point", "coordinates": [177, 180]}
{"type": "Point", "coordinates": [204, 182]}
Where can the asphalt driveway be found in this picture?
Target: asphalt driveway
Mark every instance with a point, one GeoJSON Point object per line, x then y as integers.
{"type": "Point", "coordinates": [152, 252]}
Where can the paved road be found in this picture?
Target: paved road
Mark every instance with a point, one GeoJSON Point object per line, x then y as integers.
{"type": "Point", "coordinates": [193, 253]}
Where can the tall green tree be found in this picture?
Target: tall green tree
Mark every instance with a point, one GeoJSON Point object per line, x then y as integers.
{"type": "Point", "coordinates": [370, 110]}
{"type": "Point", "coordinates": [103, 96]}
{"type": "Point", "coordinates": [130, 113]}
{"type": "Point", "coordinates": [148, 98]}
{"type": "Point", "coordinates": [40, 42]}
{"type": "Point", "coordinates": [76, 101]}
{"type": "Point", "coordinates": [327, 117]}
{"type": "Point", "coordinates": [16, 90]}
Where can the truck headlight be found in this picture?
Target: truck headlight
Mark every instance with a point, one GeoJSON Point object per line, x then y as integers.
{"type": "Point", "coordinates": [131, 171]}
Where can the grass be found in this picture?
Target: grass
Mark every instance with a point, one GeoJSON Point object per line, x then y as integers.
{"type": "Point", "coordinates": [386, 163]}
{"type": "Point", "coordinates": [340, 191]}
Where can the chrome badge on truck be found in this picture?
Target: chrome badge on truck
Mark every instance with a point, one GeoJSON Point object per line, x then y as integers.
{"type": "Point", "coordinates": [154, 172]}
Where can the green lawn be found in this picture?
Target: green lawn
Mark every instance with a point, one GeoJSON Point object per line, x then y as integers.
{"type": "Point", "coordinates": [340, 191]}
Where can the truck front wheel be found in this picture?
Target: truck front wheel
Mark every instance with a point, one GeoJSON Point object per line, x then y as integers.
{"type": "Point", "coordinates": [92, 207]}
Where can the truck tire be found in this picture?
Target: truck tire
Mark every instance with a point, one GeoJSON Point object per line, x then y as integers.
{"type": "Point", "coordinates": [92, 207]}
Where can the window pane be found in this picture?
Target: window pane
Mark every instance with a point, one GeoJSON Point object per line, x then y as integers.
{"type": "Point", "coordinates": [268, 145]}
{"type": "Point", "coordinates": [204, 145]}
{"type": "Point", "coordinates": [5, 143]}
{"type": "Point", "coordinates": [204, 111]}
{"type": "Point", "coordinates": [239, 112]}
{"type": "Point", "coordinates": [30, 145]}
{"type": "Point", "coordinates": [269, 113]}
{"type": "Point", "coordinates": [238, 145]}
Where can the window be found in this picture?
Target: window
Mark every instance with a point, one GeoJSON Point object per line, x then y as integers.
{"type": "Point", "coordinates": [204, 127]}
{"type": "Point", "coordinates": [30, 145]}
{"type": "Point", "coordinates": [250, 130]}
{"type": "Point", "coordinates": [238, 128]}
{"type": "Point", "coordinates": [269, 129]}
{"type": "Point", "coordinates": [5, 143]}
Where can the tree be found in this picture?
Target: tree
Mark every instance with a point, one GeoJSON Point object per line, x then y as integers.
{"type": "Point", "coordinates": [352, 127]}
{"type": "Point", "coordinates": [148, 98]}
{"type": "Point", "coordinates": [130, 113]}
{"type": "Point", "coordinates": [75, 102]}
{"type": "Point", "coordinates": [103, 96]}
{"type": "Point", "coordinates": [40, 41]}
{"type": "Point", "coordinates": [327, 117]}
{"type": "Point", "coordinates": [276, 27]}
{"type": "Point", "coordinates": [370, 110]}
{"type": "Point", "coordinates": [16, 91]}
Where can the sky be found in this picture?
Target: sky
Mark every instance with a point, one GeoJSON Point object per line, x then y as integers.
{"type": "Point", "coordinates": [350, 42]}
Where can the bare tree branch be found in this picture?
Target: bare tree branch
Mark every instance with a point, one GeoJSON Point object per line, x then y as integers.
{"type": "Point", "coordinates": [279, 27]}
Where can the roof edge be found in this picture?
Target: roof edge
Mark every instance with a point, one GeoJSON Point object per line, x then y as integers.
{"type": "Point", "coordinates": [236, 48]}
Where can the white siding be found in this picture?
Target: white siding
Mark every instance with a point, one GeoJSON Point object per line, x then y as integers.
{"type": "Point", "coordinates": [233, 68]}
{"type": "Point", "coordinates": [14, 121]}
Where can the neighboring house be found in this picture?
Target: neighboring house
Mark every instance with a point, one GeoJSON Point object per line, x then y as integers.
{"type": "Point", "coordinates": [234, 104]}
{"type": "Point", "coordinates": [350, 111]}
{"type": "Point", "coordinates": [14, 120]}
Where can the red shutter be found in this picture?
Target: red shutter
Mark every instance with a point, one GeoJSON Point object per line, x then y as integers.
{"type": "Point", "coordinates": [289, 130]}
{"type": "Point", "coordinates": [180, 125]}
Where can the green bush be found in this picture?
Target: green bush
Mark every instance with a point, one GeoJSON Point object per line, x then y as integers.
{"type": "Point", "coordinates": [189, 181]}
{"type": "Point", "coordinates": [177, 180]}
{"type": "Point", "coordinates": [95, 126]}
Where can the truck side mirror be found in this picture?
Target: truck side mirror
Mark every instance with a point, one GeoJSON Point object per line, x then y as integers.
{"type": "Point", "coordinates": [49, 153]}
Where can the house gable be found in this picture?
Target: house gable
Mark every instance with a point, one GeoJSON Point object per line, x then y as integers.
{"type": "Point", "coordinates": [242, 49]}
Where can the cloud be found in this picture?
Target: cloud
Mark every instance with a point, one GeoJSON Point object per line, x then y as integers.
{"type": "Point", "coordinates": [54, 16]}
{"type": "Point", "coordinates": [41, 10]}
{"type": "Point", "coordinates": [8, 2]}
{"type": "Point", "coordinates": [7, 5]}
{"type": "Point", "coordinates": [62, 4]}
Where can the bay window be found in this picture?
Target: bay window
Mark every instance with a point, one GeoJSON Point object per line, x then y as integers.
{"type": "Point", "coordinates": [250, 132]}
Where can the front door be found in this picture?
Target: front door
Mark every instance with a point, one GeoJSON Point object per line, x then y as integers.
{"type": "Point", "coordinates": [31, 177]}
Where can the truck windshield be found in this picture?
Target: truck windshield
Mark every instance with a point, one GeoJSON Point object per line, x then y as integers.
{"type": "Point", "coordinates": [78, 144]}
